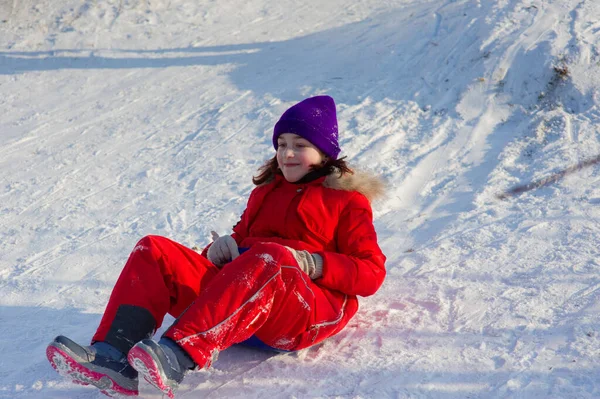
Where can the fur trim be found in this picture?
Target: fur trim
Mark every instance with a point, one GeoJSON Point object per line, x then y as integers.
{"type": "Point", "coordinates": [365, 183]}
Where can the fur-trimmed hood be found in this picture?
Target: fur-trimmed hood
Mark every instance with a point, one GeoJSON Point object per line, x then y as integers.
{"type": "Point", "coordinates": [365, 183]}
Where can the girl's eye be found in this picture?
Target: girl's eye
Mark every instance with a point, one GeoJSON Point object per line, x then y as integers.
{"type": "Point", "coordinates": [281, 145]}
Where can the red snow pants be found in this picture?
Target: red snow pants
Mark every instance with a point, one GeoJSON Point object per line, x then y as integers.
{"type": "Point", "coordinates": [263, 293]}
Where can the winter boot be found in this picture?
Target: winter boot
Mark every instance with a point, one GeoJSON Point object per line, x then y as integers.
{"type": "Point", "coordinates": [100, 365]}
{"type": "Point", "coordinates": [162, 364]}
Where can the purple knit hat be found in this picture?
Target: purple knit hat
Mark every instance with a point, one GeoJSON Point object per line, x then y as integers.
{"type": "Point", "coordinates": [314, 119]}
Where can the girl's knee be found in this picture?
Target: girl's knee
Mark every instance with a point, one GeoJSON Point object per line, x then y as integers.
{"type": "Point", "coordinates": [150, 243]}
{"type": "Point", "coordinates": [260, 257]}
{"type": "Point", "coordinates": [150, 240]}
{"type": "Point", "coordinates": [268, 248]}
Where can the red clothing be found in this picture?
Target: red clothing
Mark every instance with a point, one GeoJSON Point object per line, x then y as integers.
{"type": "Point", "coordinates": [263, 292]}
{"type": "Point", "coordinates": [337, 224]}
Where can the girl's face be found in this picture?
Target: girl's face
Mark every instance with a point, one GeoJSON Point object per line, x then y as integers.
{"type": "Point", "coordinates": [296, 156]}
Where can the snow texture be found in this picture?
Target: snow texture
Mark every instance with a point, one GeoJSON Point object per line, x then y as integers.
{"type": "Point", "coordinates": [122, 118]}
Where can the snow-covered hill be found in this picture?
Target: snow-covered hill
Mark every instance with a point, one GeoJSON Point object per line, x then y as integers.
{"type": "Point", "coordinates": [122, 118]}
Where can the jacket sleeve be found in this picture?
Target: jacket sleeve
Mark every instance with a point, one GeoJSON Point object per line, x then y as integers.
{"type": "Point", "coordinates": [358, 268]}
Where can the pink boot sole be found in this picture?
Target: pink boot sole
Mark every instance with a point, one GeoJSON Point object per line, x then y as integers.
{"type": "Point", "coordinates": [68, 367]}
{"type": "Point", "coordinates": [147, 368]}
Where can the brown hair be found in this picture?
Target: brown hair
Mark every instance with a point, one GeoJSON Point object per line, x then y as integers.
{"type": "Point", "coordinates": [270, 168]}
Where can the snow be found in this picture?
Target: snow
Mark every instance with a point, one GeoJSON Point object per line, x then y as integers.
{"type": "Point", "coordinates": [122, 118]}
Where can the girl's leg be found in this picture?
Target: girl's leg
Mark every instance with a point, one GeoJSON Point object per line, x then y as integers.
{"type": "Point", "coordinates": [240, 299]}
{"type": "Point", "coordinates": [328, 313]}
{"type": "Point", "coordinates": [261, 292]}
{"type": "Point", "coordinates": [160, 277]}
{"type": "Point", "coordinates": [229, 310]}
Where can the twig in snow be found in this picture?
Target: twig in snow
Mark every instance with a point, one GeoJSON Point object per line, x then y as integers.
{"type": "Point", "coordinates": [549, 179]}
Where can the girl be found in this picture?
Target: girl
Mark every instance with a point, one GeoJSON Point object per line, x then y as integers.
{"type": "Point", "coordinates": [288, 276]}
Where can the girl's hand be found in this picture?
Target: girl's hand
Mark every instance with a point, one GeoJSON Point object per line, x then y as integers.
{"type": "Point", "coordinates": [311, 264]}
{"type": "Point", "coordinates": [223, 250]}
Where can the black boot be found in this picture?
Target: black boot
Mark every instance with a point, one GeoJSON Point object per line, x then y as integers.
{"type": "Point", "coordinates": [100, 365]}
{"type": "Point", "coordinates": [104, 364]}
{"type": "Point", "coordinates": [162, 364]}
{"type": "Point", "coordinates": [130, 325]}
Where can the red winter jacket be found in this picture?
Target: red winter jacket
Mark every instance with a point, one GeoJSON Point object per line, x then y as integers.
{"type": "Point", "coordinates": [331, 216]}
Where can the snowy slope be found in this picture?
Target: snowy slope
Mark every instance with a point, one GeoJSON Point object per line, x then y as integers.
{"type": "Point", "coordinates": [123, 118]}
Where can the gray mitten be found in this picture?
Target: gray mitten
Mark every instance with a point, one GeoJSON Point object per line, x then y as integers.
{"type": "Point", "coordinates": [223, 250]}
{"type": "Point", "coordinates": [311, 264]}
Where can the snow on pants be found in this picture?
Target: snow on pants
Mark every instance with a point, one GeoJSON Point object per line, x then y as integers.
{"type": "Point", "coordinates": [263, 293]}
